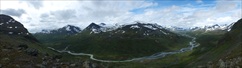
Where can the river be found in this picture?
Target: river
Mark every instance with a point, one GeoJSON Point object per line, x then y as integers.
{"type": "Point", "coordinates": [192, 44]}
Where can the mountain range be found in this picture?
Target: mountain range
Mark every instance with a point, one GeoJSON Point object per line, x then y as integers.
{"type": "Point", "coordinates": [103, 28]}
{"type": "Point", "coordinates": [66, 30]}
{"type": "Point", "coordinates": [219, 45]}
{"type": "Point", "coordinates": [20, 49]}
{"type": "Point", "coordinates": [132, 40]}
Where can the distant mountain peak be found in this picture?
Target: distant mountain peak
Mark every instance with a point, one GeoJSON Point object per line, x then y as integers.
{"type": "Point", "coordinates": [72, 28]}
{"type": "Point", "coordinates": [139, 25]}
{"type": "Point", "coordinates": [67, 30]}
{"type": "Point", "coordinates": [102, 24]}
{"type": "Point", "coordinates": [145, 29]}
{"type": "Point", "coordinates": [236, 25]}
{"type": "Point", "coordinates": [93, 26]}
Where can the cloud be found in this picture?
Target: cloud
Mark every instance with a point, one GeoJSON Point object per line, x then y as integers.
{"type": "Point", "coordinates": [63, 14]}
{"type": "Point", "coordinates": [226, 5]}
{"type": "Point", "coordinates": [14, 12]}
{"type": "Point", "coordinates": [52, 15]}
{"type": "Point", "coordinates": [199, 1]}
{"type": "Point", "coordinates": [58, 18]}
{"type": "Point", "coordinates": [35, 3]}
{"type": "Point", "coordinates": [192, 16]}
{"type": "Point", "coordinates": [100, 11]}
{"type": "Point", "coordinates": [45, 15]}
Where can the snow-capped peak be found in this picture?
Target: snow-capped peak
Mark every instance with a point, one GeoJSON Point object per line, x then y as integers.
{"type": "Point", "coordinates": [217, 27]}
{"type": "Point", "coordinates": [102, 24]}
{"type": "Point", "coordinates": [102, 27]}
{"type": "Point", "coordinates": [71, 28]}
{"type": "Point", "coordinates": [134, 26]}
{"type": "Point", "coordinates": [68, 28]}
{"type": "Point", "coordinates": [150, 27]}
{"type": "Point", "coordinates": [213, 27]}
{"type": "Point", "coordinates": [45, 31]}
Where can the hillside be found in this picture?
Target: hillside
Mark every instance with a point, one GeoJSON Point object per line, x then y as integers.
{"type": "Point", "coordinates": [19, 49]}
{"type": "Point", "coordinates": [53, 37]}
{"type": "Point", "coordinates": [228, 47]}
{"type": "Point", "coordinates": [216, 50]}
{"type": "Point", "coordinates": [128, 41]}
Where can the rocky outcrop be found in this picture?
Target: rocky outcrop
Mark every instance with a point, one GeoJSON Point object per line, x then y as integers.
{"type": "Point", "coordinates": [230, 63]}
{"type": "Point", "coordinates": [22, 56]}
{"type": "Point", "coordinates": [12, 27]}
{"type": "Point", "coordinates": [235, 62]}
{"type": "Point", "coordinates": [22, 47]}
{"type": "Point", "coordinates": [32, 52]}
{"type": "Point", "coordinates": [66, 30]}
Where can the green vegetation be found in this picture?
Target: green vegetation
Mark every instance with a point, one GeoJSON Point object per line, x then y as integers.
{"type": "Point", "coordinates": [208, 42]}
{"type": "Point", "coordinates": [214, 45]}
{"type": "Point", "coordinates": [120, 44]}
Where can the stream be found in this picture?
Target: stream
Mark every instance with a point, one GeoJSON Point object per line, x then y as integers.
{"type": "Point", "coordinates": [192, 44]}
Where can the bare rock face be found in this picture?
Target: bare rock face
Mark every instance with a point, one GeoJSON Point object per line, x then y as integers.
{"type": "Point", "coordinates": [12, 27]}
{"type": "Point", "coordinates": [9, 26]}
{"type": "Point", "coordinates": [32, 52]}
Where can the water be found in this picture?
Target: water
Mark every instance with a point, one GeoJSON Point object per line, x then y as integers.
{"type": "Point", "coordinates": [192, 44]}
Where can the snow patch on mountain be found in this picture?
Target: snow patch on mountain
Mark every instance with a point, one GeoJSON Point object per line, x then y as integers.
{"type": "Point", "coordinates": [164, 32]}
{"type": "Point", "coordinates": [150, 27]}
{"type": "Point", "coordinates": [68, 28]}
{"type": "Point", "coordinates": [134, 26]}
{"type": "Point", "coordinates": [95, 31]}
{"type": "Point", "coordinates": [123, 31]}
{"type": "Point", "coordinates": [230, 26]}
{"type": "Point", "coordinates": [1, 23]}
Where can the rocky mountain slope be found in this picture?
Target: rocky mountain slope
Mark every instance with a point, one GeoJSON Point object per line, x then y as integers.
{"type": "Point", "coordinates": [53, 37]}
{"type": "Point", "coordinates": [220, 45]}
{"type": "Point", "coordinates": [11, 27]}
{"type": "Point", "coordinates": [127, 41]}
{"type": "Point", "coordinates": [66, 30]}
{"type": "Point", "coordinates": [19, 49]}
{"type": "Point", "coordinates": [226, 53]}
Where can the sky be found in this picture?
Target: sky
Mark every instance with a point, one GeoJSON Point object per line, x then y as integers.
{"type": "Point", "coordinates": [37, 15]}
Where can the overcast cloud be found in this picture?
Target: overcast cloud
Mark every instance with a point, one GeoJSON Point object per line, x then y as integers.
{"type": "Point", "coordinates": [40, 14]}
{"type": "Point", "coordinates": [13, 12]}
{"type": "Point", "coordinates": [35, 3]}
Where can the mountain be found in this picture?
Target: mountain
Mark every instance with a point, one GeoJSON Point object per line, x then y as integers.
{"type": "Point", "coordinates": [126, 41]}
{"type": "Point", "coordinates": [52, 37]}
{"type": "Point", "coordinates": [18, 48]}
{"type": "Point", "coordinates": [232, 41]}
{"type": "Point", "coordinates": [234, 35]}
{"type": "Point", "coordinates": [174, 28]}
{"type": "Point", "coordinates": [93, 28]}
{"type": "Point", "coordinates": [194, 31]}
{"type": "Point", "coordinates": [211, 30]}
{"type": "Point", "coordinates": [12, 27]}
{"type": "Point", "coordinates": [66, 30]}
{"type": "Point", "coordinates": [217, 49]}
{"type": "Point", "coordinates": [214, 27]}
